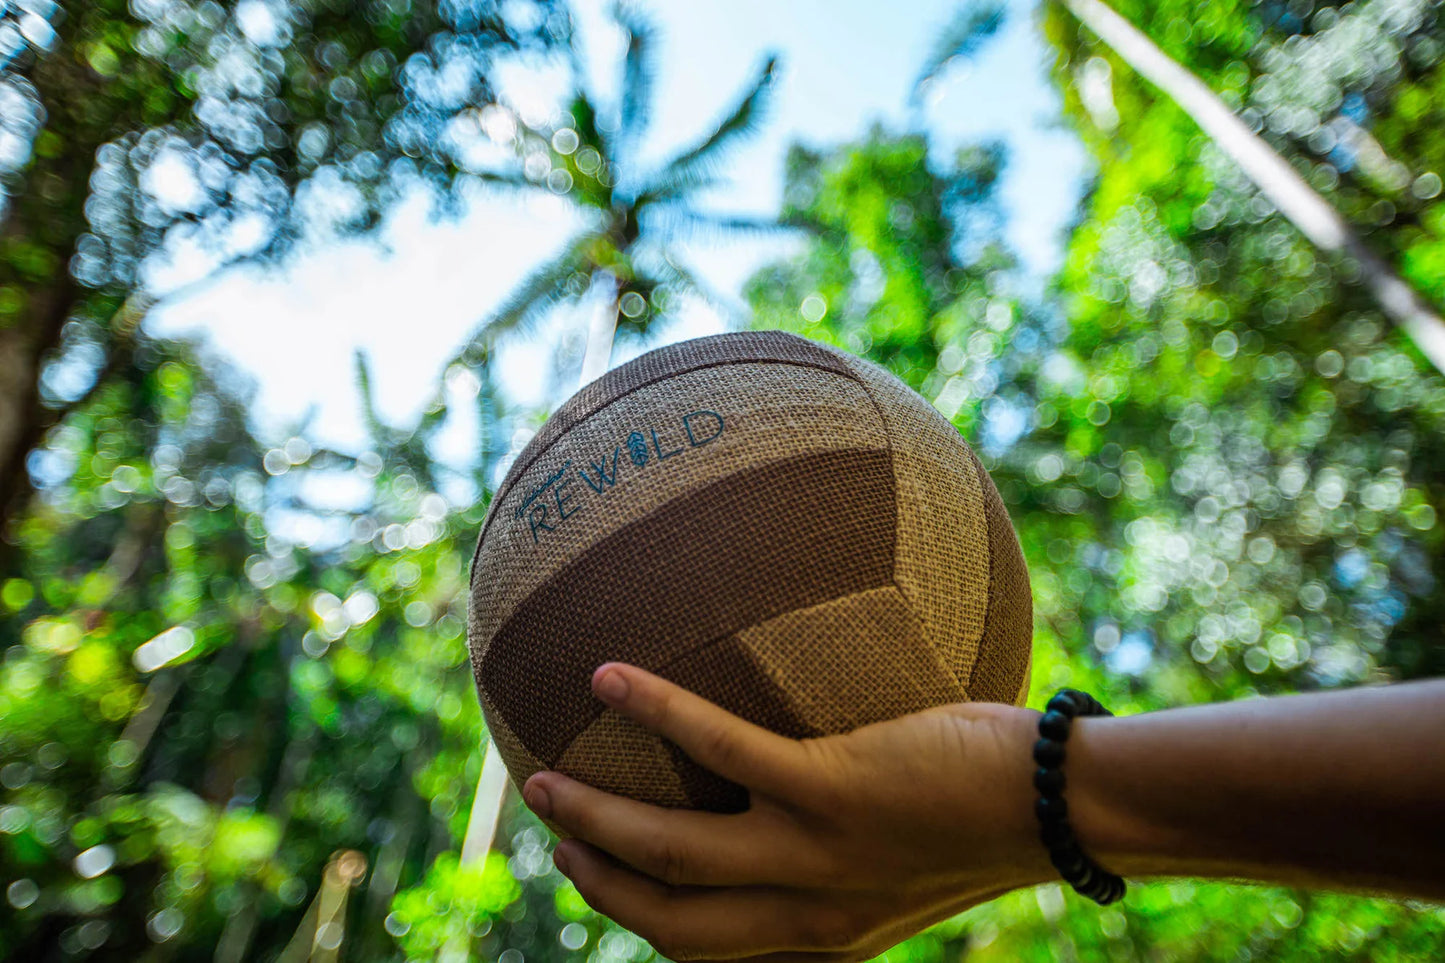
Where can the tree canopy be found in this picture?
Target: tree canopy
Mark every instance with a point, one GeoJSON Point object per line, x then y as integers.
{"type": "Point", "coordinates": [238, 717]}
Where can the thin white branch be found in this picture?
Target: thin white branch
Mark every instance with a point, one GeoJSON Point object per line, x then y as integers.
{"type": "Point", "coordinates": [1311, 213]}
{"type": "Point", "coordinates": [486, 807]}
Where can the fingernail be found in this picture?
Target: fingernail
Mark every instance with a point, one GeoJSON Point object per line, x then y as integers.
{"type": "Point", "coordinates": [611, 687]}
{"type": "Point", "coordinates": [537, 800]}
{"type": "Point", "coordinates": [559, 859]}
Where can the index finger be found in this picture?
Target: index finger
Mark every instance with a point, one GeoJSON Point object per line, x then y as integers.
{"type": "Point", "coordinates": [715, 738]}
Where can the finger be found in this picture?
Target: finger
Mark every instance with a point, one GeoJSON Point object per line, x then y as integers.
{"type": "Point", "coordinates": [715, 738]}
{"type": "Point", "coordinates": [691, 923]}
{"type": "Point", "coordinates": [680, 846]}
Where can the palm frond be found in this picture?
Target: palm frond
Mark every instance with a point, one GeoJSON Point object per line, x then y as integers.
{"type": "Point", "coordinates": [584, 121]}
{"type": "Point", "coordinates": [743, 120]}
{"type": "Point", "coordinates": [514, 180]}
{"type": "Point", "coordinates": [672, 221]}
{"type": "Point", "coordinates": [381, 435]}
{"type": "Point", "coordinates": [400, 447]}
{"type": "Point", "coordinates": [664, 271]}
{"type": "Point", "coordinates": [971, 27]}
{"type": "Point", "coordinates": [638, 71]}
{"type": "Point", "coordinates": [542, 289]}
{"type": "Point", "coordinates": [670, 187]}
{"type": "Point", "coordinates": [575, 63]}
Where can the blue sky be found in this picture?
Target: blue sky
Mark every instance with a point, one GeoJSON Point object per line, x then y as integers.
{"type": "Point", "coordinates": [409, 297]}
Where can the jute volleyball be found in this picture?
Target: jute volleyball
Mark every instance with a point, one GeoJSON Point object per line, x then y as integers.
{"type": "Point", "coordinates": [785, 529]}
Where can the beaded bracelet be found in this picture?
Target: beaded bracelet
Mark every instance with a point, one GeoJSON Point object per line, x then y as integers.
{"type": "Point", "coordinates": [1087, 877]}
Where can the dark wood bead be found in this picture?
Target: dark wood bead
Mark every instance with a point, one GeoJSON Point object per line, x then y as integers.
{"type": "Point", "coordinates": [1049, 782]}
{"type": "Point", "coordinates": [1054, 725]}
{"type": "Point", "coordinates": [1051, 809]}
{"type": "Point", "coordinates": [1048, 753]}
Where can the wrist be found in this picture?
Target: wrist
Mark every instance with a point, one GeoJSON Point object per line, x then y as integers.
{"type": "Point", "coordinates": [1108, 824]}
{"type": "Point", "coordinates": [1018, 823]}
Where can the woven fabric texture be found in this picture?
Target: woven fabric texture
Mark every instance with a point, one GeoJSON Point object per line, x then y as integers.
{"type": "Point", "coordinates": [943, 552]}
{"type": "Point", "coordinates": [783, 528]}
{"type": "Point", "coordinates": [771, 408]}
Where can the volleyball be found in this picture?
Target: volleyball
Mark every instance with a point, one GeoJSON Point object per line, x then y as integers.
{"type": "Point", "coordinates": [783, 528]}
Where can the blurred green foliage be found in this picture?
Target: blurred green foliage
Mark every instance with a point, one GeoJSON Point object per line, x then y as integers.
{"type": "Point", "coordinates": [239, 722]}
{"type": "Point", "coordinates": [1223, 463]}
{"type": "Point", "coordinates": [212, 135]}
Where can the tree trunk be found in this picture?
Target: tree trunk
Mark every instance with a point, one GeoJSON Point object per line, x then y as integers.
{"type": "Point", "coordinates": [47, 216]}
{"type": "Point", "coordinates": [1314, 216]}
{"type": "Point", "coordinates": [603, 327]}
{"type": "Point", "coordinates": [23, 419]}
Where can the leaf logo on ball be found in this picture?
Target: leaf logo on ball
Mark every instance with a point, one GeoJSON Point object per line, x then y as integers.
{"type": "Point", "coordinates": [637, 448]}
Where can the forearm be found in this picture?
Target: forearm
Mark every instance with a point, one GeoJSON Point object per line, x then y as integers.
{"type": "Point", "coordinates": [1342, 789]}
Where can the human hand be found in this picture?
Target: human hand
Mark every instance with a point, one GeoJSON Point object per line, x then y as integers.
{"type": "Point", "coordinates": [850, 843]}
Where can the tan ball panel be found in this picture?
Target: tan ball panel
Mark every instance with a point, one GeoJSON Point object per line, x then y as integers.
{"type": "Point", "coordinates": [617, 755]}
{"type": "Point", "coordinates": [727, 673]}
{"type": "Point", "coordinates": [620, 756]}
{"type": "Point", "coordinates": [670, 361]}
{"type": "Point", "coordinates": [942, 563]}
{"type": "Point", "coordinates": [1005, 650]}
{"type": "Point", "coordinates": [853, 661]}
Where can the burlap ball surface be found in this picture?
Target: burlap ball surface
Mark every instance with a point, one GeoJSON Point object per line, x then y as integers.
{"type": "Point", "coordinates": [781, 527]}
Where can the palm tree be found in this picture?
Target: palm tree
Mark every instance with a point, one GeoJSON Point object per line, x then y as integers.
{"type": "Point", "coordinates": [621, 256]}
{"type": "Point", "coordinates": [1311, 213]}
{"type": "Point", "coordinates": [634, 214]}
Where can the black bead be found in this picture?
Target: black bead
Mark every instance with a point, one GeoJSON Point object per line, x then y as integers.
{"type": "Point", "coordinates": [1053, 835]}
{"type": "Point", "coordinates": [1054, 725]}
{"type": "Point", "coordinates": [1069, 862]}
{"type": "Point", "coordinates": [1094, 707]}
{"type": "Point", "coordinates": [1083, 874]}
{"type": "Point", "coordinates": [1051, 809]}
{"type": "Point", "coordinates": [1049, 782]}
{"type": "Point", "coordinates": [1048, 753]}
{"type": "Point", "coordinates": [1064, 703]}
